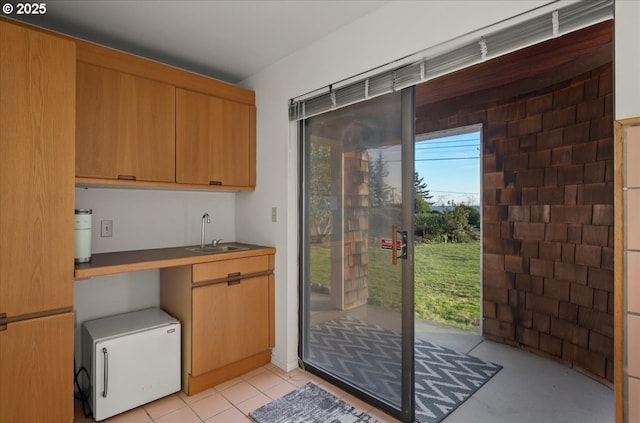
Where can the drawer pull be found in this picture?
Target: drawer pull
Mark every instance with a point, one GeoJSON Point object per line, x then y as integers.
{"type": "Point", "coordinates": [233, 278]}
{"type": "Point", "coordinates": [127, 177]}
{"type": "Point", "coordinates": [215, 182]}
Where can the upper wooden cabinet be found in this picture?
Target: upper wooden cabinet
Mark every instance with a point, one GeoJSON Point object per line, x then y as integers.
{"type": "Point", "coordinates": [213, 140]}
{"type": "Point", "coordinates": [125, 126]}
{"type": "Point", "coordinates": [143, 123]}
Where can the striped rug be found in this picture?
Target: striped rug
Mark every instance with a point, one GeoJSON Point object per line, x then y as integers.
{"type": "Point", "coordinates": [369, 356]}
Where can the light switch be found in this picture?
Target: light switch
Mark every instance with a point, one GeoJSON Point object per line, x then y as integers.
{"type": "Point", "coordinates": [106, 228]}
{"type": "Point", "coordinates": [274, 214]}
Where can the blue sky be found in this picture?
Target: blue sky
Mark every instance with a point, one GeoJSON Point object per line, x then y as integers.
{"type": "Point", "coordinates": [451, 167]}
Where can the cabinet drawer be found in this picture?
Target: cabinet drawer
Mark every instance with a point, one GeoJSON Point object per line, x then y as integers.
{"type": "Point", "coordinates": [223, 269]}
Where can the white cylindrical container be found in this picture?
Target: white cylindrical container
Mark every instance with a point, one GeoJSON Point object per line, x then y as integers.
{"type": "Point", "coordinates": [83, 235]}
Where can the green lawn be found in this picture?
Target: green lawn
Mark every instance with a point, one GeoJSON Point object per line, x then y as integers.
{"type": "Point", "coordinates": [447, 281]}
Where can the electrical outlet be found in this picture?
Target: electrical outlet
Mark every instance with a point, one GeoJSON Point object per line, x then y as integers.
{"type": "Point", "coordinates": [106, 228]}
{"type": "Point", "coordinates": [274, 214]}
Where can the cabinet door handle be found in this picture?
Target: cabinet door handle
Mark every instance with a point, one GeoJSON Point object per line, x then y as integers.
{"type": "Point", "coordinates": [127, 177]}
{"type": "Point", "coordinates": [233, 278]}
{"type": "Point", "coordinates": [215, 182]}
{"type": "Point", "coordinates": [106, 372]}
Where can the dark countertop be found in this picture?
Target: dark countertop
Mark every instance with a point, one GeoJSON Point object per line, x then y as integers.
{"type": "Point", "coordinates": [131, 261]}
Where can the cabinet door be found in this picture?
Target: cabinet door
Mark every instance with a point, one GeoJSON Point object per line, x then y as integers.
{"type": "Point", "coordinates": [214, 141]}
{"type": "Point", "coordinates": [37, 115]}
{"type": "Point", "coordinates": [125, 126]}
{"type": "Point", "coordinates": [36, 370]}
{"type": "Point", "coordinates": [230, 322]}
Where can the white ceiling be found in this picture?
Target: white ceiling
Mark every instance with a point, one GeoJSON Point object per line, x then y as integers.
{"type": "Point", "coordinates": [225, 39]}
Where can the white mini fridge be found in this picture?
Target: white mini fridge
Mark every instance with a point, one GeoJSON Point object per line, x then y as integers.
{"type": "Point", "coordinates": [132, 359]}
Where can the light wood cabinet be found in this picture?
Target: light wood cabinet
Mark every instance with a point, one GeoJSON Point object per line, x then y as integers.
{"type": "Point", "coordinates": [226, 308]}
{"type": "Point", "coordinates": [238, 328]}
{"type": "Point", "coordinates": [214, 140]}
{"type": "Point", "coordinates": [125, 126]}
{"type": "Point", "coordinates": [223, 269]}
{"type": "Point", "coordinates": [145, 124]}
{"type": "Point", "coordinates": [36, 176]}
{"type": "Point", "coordinates": [36, 370]}
{"type": "Point", "coordinates": [37, 130]}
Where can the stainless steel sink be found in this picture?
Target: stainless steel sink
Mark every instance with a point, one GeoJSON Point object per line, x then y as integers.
{"type": "Point", "coordinates": [210, 249]}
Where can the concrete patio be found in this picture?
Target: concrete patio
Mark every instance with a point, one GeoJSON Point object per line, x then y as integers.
{"type": "Point", "coordinates": [529, 388]}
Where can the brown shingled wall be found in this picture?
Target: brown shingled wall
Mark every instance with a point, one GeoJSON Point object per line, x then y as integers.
{"type": "Point", "coordinates": [547, 208]}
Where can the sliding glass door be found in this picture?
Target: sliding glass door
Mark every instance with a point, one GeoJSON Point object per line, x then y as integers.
{"type": "Point", "coordinates": [356, 265]}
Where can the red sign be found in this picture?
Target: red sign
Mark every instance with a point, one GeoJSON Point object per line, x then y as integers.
{"type": "Point", "coordinates": [386, 244]}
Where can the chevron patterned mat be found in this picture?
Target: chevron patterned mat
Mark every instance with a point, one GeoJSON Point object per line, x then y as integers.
{"type": "Point", "coordinates": [370, 356]}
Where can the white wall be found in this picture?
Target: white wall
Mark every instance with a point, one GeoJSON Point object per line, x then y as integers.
{"type": "Point", "coordinates": [156, 218]}
{"type": "Point", "coordinates": [627, 57]}
{"type": "Point", "coordinates": [143, 219]}
{"type": "Point", "coordinates": [393, 31]}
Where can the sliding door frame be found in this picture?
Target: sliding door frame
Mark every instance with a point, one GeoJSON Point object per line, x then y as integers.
{"type": "Point", "coordinates": [408, 207]}
{"type": "Point", "coordinates": [407, 411]}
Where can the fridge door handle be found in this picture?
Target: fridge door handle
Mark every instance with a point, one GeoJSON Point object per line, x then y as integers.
{"type": "Point", "coordinates": [106, 372]}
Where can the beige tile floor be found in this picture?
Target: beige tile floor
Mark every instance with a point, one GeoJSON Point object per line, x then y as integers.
{"type": "Point", "coordinates": [232, 401]}
{"type": "Point", "coordinates": [528, 389]}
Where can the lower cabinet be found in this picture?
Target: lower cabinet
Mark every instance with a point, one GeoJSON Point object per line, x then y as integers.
{"type": "Point", "coordinates": [36, 370]}
{"type": "Point", "coordinates": [230, 321]}
{"type": "Point", "coordinates": [227, 320]}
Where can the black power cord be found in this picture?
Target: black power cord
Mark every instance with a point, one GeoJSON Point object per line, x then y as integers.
{"type": "Point", "coordinates": [86, 407]}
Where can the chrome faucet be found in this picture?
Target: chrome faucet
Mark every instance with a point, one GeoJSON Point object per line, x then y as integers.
{"type": "Point", "coordinates": [205, 217]}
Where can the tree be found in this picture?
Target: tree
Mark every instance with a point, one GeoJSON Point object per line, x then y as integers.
{"type": "Point", "coordinates": [453, 224]}
{"type": "Point", "coordinates": [319, 190]}
{"type": "Point", "coordinates": [421, 195]}
{"type": "Point", "coordinates": [474, 215]}
{"type": "Point", "coordinates": [421, 188]}
{"type": "Point", "coordinates": [379, 191]}
{"type": "Point", "coordinates": [456, 223]}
